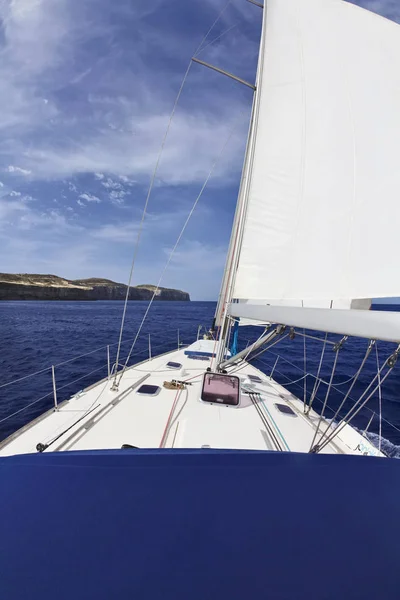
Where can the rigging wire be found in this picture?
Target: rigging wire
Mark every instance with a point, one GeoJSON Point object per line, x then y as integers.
{"type": "Point", "coordinates": [215, 162]}
{"type": "Point", "coordinates": [216, 39]}
{"type": "Point", "coordinates": [326, 400]}
{"type": "Point", "coordinates": [379, 396]}
{"type": "Point", "coordinates": [200, 48]}
{"type": "Point", "coordinates": [305, 370]}
{"type": "Point", "coordinates": [313, 337]}
{"type": "Point", "coordinates": [259, 354]}
{"type": "Point", "coordinates": [316, 382]}
{"type": "Point", "coordinates": [139, 233]}
{"type": "Point", "coordinates": [347, 420]}
{"type": "Point", "coordinates": [150, 189]}
{"type": "Point", "coordinates": [253, 343]}
{"type": "Point", "coordinates": [334, 385]}
{"type": "Point", "coordinates": [295, 382]}
{"type": "Point", "coordinates": [356, 375]}
{"type": "Point", "coordinates": [354, 410]}
{"type": "Point", "coordinates": [25, 407]}
{"type": "Point", "coordinates": [25, 377]}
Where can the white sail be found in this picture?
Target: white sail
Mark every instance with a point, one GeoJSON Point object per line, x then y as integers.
{"type": "Point", "coordinates": [323, 195]}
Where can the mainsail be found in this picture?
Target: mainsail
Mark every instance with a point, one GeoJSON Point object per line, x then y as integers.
{"type": "Point", "coordinates": [320, 211]}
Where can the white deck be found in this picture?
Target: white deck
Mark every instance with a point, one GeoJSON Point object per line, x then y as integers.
{"type": "Point", "coordinates": [100, 418]}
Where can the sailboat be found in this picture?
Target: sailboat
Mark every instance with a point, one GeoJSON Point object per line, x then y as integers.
{"type": "Point", "coordinates": [206, 472]}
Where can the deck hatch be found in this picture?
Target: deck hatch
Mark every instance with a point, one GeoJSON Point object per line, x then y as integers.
{"type": "Point", "coordinates": [221, 389]}
{"type": "Point", "coordinates": [148, 390]}
{"type": "Point", "coordinates": [286, 410]}
{"type": "Point", "coordinates": [174, 365]}
{"type": "Point", "coordinates": [254, 379]}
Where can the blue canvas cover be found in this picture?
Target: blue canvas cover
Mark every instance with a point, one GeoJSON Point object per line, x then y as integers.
{"type": "Point", "coordinates": [201, 524]}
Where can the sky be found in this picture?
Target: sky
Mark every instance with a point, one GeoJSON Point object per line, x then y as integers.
{"type": "Point", "coordinates": [86, 92]}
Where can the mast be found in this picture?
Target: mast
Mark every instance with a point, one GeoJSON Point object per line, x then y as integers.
{"type": "Point", "coordinates": [228, 279]}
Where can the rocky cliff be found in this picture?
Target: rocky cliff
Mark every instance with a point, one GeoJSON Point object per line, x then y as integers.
{"type": "Point", "coordinates": [25, 286]}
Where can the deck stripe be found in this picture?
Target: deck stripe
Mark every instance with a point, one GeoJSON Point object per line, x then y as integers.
{"type": "Point", "coordinates": [276, 426]}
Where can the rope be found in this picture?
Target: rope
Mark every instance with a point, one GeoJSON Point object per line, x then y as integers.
{"type": "Point", "coordinates": [177, 242]}
{"type": "Point", "coordinates": [165, 433]}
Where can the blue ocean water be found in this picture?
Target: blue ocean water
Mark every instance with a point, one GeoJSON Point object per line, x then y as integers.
{"type": "Point", "coordinates": [36, 335]}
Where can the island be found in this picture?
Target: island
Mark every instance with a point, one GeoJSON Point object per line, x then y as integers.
{"type": "Point", "coordinates": [25, 286]}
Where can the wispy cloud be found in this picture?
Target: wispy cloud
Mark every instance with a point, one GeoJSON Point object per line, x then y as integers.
{"type": "Point", "coordinates": [89, 198]}
{"type": "Point", "coordinates": [65, 111]}
{"type": "Point", "coordinates": [86, 91]}
{"type": "Point", "coordinates": [18, 170]}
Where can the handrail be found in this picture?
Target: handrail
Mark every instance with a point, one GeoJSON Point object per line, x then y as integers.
{"type": "Point", "coordinates": [107, 365]}
{"type": "Point", "coordinates": [295, 382]}
{"type": "Point", "coordinates": [25, 407]}
{"type": "Point", "coordinates": [280, 357]}
{"type": "Point", "coordinates": [65, 362]}
{"type": "Point", "coordinates": [111, 371]}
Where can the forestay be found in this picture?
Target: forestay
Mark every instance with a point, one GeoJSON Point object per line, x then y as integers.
{"type": "Point", "coordinates": [323, 181]}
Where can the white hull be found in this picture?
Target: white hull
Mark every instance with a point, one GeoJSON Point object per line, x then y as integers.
{"type": "Point", "coordinates": [100, 418]}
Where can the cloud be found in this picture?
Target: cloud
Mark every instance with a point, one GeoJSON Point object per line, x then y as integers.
{"type": "Point", "coordinates": [90, 198]}
{"type": "Point", "coordinates": [9, 210]}
{"type": "Point", "coordinates": [65, 110]}
{"type": "Point", "coordinates": [18, 170]}
{"type": "Point", "coordinates": [111, 185]}
{"type": "Point", "coordinates": [87, 90]}
{"type": "Point", "coordinates": [124, 233]}
{"type": "Point", "coordinates": [118, 197]}
{"type": "Point", "coordinates": [23, 216]}
{"type": "Point", "coordinates": [126, 180]}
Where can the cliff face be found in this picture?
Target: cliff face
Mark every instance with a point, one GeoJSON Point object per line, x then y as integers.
{"type": "Point", "coordinates": [50, 287]}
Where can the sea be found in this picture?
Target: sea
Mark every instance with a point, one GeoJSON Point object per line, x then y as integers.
{"type": "Point", "coordinates": [76, 338]}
